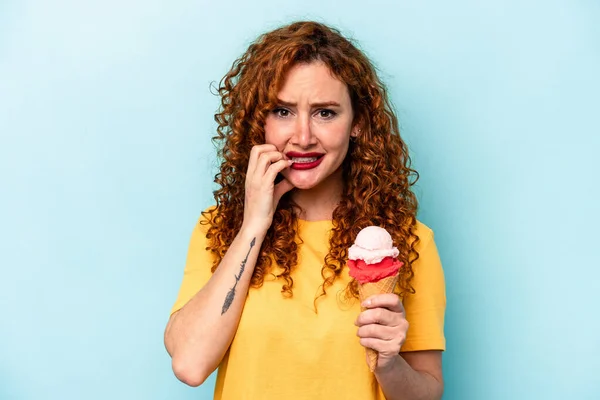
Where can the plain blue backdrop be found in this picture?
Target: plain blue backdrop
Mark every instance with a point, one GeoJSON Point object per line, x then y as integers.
{"type": "Point", "coordinates": [106, 162]}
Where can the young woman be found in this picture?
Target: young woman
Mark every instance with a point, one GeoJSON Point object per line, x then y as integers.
{"type": "Point", "coordinates": [311, 154]}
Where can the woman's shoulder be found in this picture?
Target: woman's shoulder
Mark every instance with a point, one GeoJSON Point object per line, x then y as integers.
{"type": "Point", "coordinates": [424, 232]}
{"type": "Point", "coordinates": [205, 218]}
{"type": "Point", "coordinates": [209, 212]}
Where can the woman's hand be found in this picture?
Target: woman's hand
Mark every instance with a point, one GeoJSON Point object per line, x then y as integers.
{"type": "Point", "coordinates": [383, 327]}
{"type": "Point", "coordinates": [262, 194]}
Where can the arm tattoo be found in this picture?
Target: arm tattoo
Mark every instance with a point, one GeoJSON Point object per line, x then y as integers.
{"type": "Point", "coordinates": [231, 293]}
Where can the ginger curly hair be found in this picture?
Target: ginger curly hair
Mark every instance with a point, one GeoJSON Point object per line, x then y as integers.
{"type": "Point", "coordinates": [377, 170]}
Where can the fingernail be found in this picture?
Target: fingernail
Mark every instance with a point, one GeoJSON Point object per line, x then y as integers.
{"type": "Point", "coordinates": [290, 162]}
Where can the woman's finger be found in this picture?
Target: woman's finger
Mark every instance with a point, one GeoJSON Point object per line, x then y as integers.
{"type": "Point", "coordinates": [390, 301]}
{"type": "Point", "coordinates": [275, 168]}
{"type": "Point", "coordinates": [378, 345]}
{"type": "Point", "coordinates": [381, 316]}
{"type": "Point", "coordinates": [265, 160]}
{"type": "Point", "coordinates": [255, 153]}
{"type": "Point", "coordinates": [375, 331]}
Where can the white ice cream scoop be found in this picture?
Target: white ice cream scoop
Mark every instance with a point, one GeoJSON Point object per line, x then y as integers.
{"type": "Point", "coordinates": [372, 245]}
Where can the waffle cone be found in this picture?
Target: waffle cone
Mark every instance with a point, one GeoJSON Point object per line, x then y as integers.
{"type": "Point", "coordinates": [366, 290]}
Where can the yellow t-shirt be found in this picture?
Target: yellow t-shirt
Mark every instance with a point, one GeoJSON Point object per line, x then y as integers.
{"type": "Point", "coordinates": [284, 350]}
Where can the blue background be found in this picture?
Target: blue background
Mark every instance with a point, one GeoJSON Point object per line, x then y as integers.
{"type": "Point", "coordinates": [106, 162]}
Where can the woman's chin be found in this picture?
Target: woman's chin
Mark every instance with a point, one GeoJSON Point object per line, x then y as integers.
{"type": "Point", "coordinates": [303, 185]}
{"type": "Point", "coordinates": [312, 181]}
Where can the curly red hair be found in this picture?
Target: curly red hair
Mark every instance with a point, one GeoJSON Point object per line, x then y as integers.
{"type": "Point", "coordinates": [377, 170]}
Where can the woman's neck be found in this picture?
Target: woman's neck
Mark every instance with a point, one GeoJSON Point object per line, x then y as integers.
{"type": "Point", "coordinates": [318, 203]}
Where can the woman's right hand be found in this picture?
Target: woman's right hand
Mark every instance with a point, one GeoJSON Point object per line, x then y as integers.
{"type": "Point", "coordinates": [262, 194]}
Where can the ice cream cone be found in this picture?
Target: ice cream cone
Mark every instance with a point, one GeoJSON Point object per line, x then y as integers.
{"type": "Point", "coordinates": [366, 290]}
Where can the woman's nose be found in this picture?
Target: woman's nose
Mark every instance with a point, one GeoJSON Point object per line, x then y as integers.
{"type": "Point", "coordinates": [303, 134]}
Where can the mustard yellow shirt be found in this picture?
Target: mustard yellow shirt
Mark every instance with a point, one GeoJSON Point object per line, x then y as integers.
{"type": "Point", "coordinates": [284, 350]}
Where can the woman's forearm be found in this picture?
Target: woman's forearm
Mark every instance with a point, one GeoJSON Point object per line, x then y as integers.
{"type": "Point", "coordinates": [198, 336]}
{"type": "Point", "coordinates": [399, 381]}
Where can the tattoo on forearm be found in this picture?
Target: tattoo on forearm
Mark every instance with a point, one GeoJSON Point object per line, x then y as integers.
{"type": "Point", "coordinates": [231, 293]}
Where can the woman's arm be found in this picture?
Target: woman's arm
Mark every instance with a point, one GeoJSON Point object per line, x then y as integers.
{"type": "Point", "coordinates": [413, 376]}
{"type": "Point", "coordinates": [198, 336]}
{"type": "Point", "coordinates": [410, 376]}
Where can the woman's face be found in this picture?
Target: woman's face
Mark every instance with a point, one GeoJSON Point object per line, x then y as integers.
{"type": "Point", "coordinates": [311, 125]}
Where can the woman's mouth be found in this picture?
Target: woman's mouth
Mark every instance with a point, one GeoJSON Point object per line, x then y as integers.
{"type": "Point", "coordinates": [305, 161]}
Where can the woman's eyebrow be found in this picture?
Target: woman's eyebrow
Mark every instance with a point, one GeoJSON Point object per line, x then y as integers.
{"type": "Point", "coordinates": [314, 105]}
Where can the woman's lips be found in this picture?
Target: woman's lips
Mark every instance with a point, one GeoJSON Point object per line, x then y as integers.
{"type": "Point", "coordinates": [307, 165]}
{"type": "Point", "coordinates": [303, 161]}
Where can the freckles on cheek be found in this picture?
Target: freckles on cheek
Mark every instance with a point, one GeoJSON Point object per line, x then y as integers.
{"type": "Point", "coordinates": [269, 139]}
{"type": "Point", "coordinates": [271, 134]}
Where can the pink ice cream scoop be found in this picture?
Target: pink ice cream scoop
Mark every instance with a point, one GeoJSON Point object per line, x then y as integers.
{"type": "Point", "coordinates": [372, 257]}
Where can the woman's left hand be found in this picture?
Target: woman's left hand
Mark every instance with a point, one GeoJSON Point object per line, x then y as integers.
{"type": "Point", "coordinates": [383, 327]}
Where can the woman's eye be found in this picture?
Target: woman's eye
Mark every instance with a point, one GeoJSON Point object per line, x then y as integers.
{"type": "Point", "coordinates": [326, 114]}
{"type": "Point", "coordinates": [281, 112]}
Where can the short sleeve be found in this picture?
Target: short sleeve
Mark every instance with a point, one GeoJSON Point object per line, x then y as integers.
{"type": "Point", "coordinates": [425, 309]}
{"type": "Point", "coordinates": [198, 266]}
